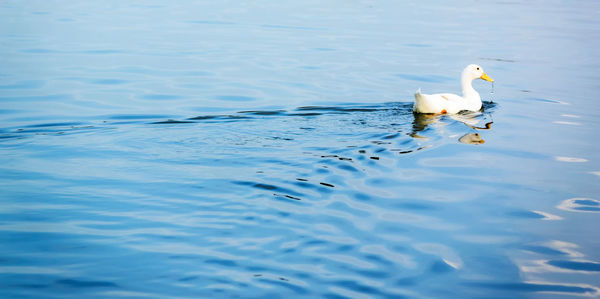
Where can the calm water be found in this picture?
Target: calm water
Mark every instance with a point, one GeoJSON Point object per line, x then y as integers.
{"type": "Point", "coordinates": [268, 150]}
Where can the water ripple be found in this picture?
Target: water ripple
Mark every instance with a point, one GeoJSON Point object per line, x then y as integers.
{"type": "Point", "coordinates": [238, 210]}
{"type": "Point", "coordinates": [539, 287]}
{"type": "Point", "coordinates": [207, 150]}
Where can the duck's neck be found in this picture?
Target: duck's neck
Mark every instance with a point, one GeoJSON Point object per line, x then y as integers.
{"type": "Point", "coordinates": [470, 94]}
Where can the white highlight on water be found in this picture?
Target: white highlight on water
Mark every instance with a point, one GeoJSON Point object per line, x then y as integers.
{"type": "Point", "coordinates": [570, 159]}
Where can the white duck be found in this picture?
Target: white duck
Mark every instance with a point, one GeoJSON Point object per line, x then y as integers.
{"type": "Point", "coordinates": [450, 103]}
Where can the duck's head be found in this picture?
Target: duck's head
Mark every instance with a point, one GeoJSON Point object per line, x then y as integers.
{"type": "Point", "coordinates": [473, 71]}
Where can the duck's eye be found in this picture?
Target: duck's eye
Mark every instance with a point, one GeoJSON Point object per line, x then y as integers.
{"type": "Point", "coordinates": [477, 68]}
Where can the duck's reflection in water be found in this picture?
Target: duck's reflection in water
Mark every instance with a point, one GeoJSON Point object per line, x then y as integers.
{"type": "Point", "coordinates": [471, 138]}
{"type": "Point", "coordinates": [470, 119]}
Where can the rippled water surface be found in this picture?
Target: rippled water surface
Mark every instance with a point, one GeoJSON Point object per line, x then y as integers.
{"type": "Point", "coordinates": [269, 150]}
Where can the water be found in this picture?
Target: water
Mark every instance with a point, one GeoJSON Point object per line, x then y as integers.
{"type": "Point", "coordinates": [231, 149]}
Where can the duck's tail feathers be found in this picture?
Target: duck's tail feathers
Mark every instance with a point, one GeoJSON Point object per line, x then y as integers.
{"type": "Point", "coordinates": [418, 94]}
{"type": "Point", "coordinates": [418, 99]}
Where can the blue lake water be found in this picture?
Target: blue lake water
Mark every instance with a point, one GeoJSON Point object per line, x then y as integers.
{"type": "Point", "coordinates": [269, 150]}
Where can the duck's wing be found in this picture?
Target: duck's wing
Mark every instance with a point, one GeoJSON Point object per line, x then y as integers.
{"type": "Point", "coordinates": [437, 103]}
{"type": "Point", "coordinates": [450, 97]}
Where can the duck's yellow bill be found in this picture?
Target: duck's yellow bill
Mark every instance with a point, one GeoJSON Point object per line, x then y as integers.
{"type": "Point", "coordinates": [486, 78]}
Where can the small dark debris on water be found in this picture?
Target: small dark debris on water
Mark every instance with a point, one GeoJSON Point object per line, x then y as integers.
{"type": "Point", "coordinates": [402, 152]}
{"type": "Point", "coordinates": [302, 180]}
{"type": "Point", "coordinates": [287, 196]}
{"type": "Point", "coordinates": [329, 156]}
{"type": "Point", "coordinates": [374, 158]}
{"type": "Point", "coordinates": [362, 151]}
{"type": "Point", "coordinates": [257, 275]}
{"type": "Point", "coordinates": [284, 279]}
{"type": "Point", "coordinates": [326, 184]}
{"type": "Point", "coordinates": [264, 186]}
{"type": "Point", "coordinates": [292, 197]}
{"type": "Point", "coordinates": [345, 159]}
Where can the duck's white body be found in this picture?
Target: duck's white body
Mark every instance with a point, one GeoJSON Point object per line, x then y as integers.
{"type": "Point", "coordinates": [451, 103]}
